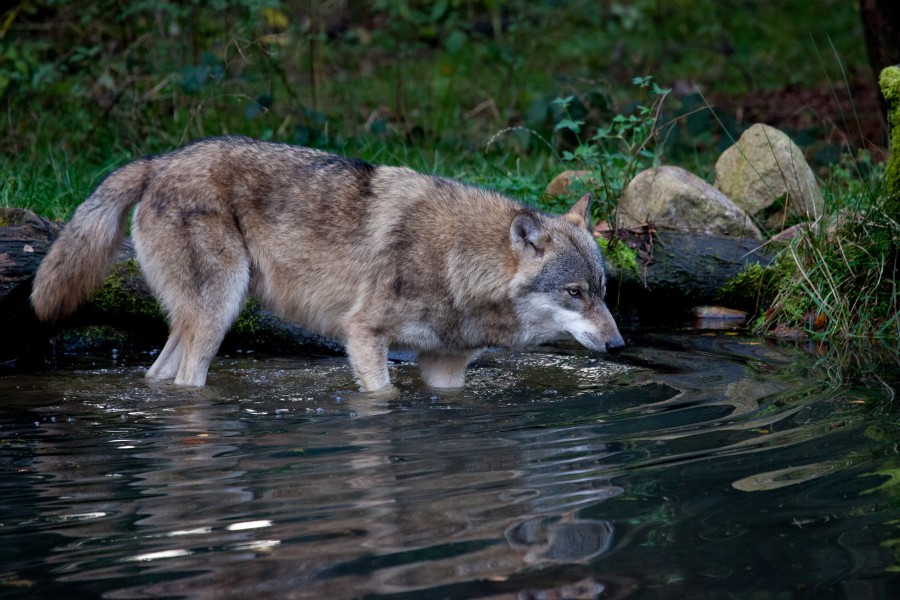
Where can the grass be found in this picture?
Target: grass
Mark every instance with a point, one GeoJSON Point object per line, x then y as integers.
{"type": "Point", "coordinates": [837, 278]}
{"type": "Point", "coordinates": [88, 86]}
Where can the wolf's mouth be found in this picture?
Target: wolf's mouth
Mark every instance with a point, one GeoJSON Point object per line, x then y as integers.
{"type": "Point", "coordinates": [590, 341]}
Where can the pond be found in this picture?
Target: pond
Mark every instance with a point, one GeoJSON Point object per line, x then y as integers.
{"type": "Point", "coordinates": [691, 465]}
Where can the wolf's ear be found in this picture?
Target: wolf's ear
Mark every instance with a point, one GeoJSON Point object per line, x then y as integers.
{"type": "Point", "coordinates": [580, 213]}
{"type": "Point", "coordinates": [527, 235]}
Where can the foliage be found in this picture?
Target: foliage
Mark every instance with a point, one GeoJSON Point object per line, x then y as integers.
{"type": "Point", "coordinates": [755, 287]}
{"type": "Point", "coordinates": [121, 78]}
{"type": "Point", "coordinates": [843, 270]}
{"type": "Point", "coordinates": [613, 153]}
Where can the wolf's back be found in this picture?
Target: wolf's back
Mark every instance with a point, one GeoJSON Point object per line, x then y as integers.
{"type": "Point", "coordinates": [79, 260]}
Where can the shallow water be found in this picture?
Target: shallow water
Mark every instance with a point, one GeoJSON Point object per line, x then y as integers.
{"type": "Point", "coordinates": [688, 466]}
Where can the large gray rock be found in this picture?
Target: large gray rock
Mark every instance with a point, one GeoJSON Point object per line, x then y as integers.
{"type": "Point", "coordinates": [765, 165]}
{"type": "Point", "coordinates": [674, 198]}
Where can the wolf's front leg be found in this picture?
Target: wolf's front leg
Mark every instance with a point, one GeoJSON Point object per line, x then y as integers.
{"type": "Point", "coordinates": [368, 356]}
{"type": "Point", "coordinates": [445, 370]}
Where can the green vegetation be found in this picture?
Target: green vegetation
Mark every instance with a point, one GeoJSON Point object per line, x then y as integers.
{"type": "Point", "coordinates": [116, 299]}
{"type": "Point", "coordinates": [889, 81]}
{"type": "Point", "coordinates": [87, 86]}
{"type": "Point", "coordinates": [614, 152]}
{"type": "Point", "coordinates": [755, 287]}
{"type": "Point", "coordinates": [503, 93]}
{"type": "Point", "coordinates": [839, 277]}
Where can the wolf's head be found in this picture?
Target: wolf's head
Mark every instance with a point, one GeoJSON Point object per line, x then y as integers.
{"type": "Point", "coordinates": [560, 280]}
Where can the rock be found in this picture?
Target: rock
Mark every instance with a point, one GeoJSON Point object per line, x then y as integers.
{"type": "Point", "coordinates": [671, 197]}
{"type": "Point", "coordinates": [720, 313]}
{"type": "Point", "coordinates": [561, 184]}
{"type": "Point", "coordinates": [718, 317]}
{"type": "Point", "coordinates": [764, 166]}
{"type": "Point", "coordinates": [786, 235]}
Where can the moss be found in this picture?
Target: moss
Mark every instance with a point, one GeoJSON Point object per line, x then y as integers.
{"type": "Point", "coordinates": [249, 323]}
{"type": "Point", "coordinates": [118, 295]}
{"type": "Point", "coordinates": [11, 216]}
{"type": "Point", "coordinates": [621, 256]}
{"type": "Point", "coordinates": [93, 337]}
{"type": "Point", "coordinates": [890, 87]}
{"type": "Point", "coordinates": [754, 288]}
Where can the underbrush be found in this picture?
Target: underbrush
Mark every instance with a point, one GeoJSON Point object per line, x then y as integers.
{"type": "Point", "coordinates": [837, 278]}
{"type": "Point", "coordinates": [90, 85]}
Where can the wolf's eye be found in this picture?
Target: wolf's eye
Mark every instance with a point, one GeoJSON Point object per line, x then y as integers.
{"type": "Point", "coordinates": [574, 292]}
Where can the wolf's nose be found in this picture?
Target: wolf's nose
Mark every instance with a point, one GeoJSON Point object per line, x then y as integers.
{"type": "Point", "coordinates": [615, 343]}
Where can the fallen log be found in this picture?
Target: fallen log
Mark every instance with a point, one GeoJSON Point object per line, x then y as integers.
{"type": "Point", "coordinates": [679, 270]}
{"type": "Point", "coordinates": [24, 240]}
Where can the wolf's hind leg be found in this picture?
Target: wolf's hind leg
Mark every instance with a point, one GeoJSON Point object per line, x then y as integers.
{"type": "Point", "coordinates": [197, 265]}
{"type": "Point", "coordinates": [200, 346]}
{"type": "Point", "coordinates": [203, 322]}
{"type": "Point", "coordinates": [445, 370]}
{"type": "Point", "coordinates": [168, 361]}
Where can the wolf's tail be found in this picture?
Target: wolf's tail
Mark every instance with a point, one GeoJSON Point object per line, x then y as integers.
{"type": "Point", "coordinates": [79, 260]}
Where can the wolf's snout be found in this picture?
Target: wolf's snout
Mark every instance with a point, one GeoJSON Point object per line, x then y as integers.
{"type": "Point", "coordinates": [615, 343]}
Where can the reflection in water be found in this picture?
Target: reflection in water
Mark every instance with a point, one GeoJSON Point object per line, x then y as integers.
{"type": "Point", "coordinates": [553, 539]}
{"type": "Point", "coordinates": [690, 466]}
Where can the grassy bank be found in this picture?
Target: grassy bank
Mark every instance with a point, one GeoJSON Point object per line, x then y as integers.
{"type": "Point", "coordinates": [86, 86]}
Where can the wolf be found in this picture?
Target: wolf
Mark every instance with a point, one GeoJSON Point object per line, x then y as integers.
{"type": "Point", "coordinates": [374, 256]}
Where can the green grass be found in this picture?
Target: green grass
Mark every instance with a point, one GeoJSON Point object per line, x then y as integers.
{"type": "Point", "coordinates": [838, 278]}
{"type": "Point", "coordinates": [51, 188]}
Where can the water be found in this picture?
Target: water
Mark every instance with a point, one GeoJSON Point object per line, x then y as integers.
{"type": "Point", "coordinates": [689, 466]}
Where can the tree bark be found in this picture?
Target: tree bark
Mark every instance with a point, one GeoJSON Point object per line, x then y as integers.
{"type": "Point", "coordinates": [881, 23]}
{"type": "Point", "coordinates": [682, 270]}
{"type": "Point", "coordinates": [24, 240]}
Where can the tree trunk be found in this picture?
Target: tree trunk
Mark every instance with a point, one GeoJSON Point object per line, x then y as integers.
{"type": "Point", "coordinates": [24, 240]}
{"type": "Point", "coordinates": [881, 23]}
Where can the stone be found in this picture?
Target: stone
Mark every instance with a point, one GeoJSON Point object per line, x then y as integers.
{"type": "Point", "coordinates": [764, 166]}
{"type": "Point", "coordinates": [561, 184]}
{"type": "Point", "coordinates": [671, 197]}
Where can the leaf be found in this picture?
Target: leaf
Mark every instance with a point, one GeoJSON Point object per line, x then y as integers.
{"type": "Point", "coordinates": [456, 41]}
{"type": "Point", "coordinates": [569, 124]}
{"type": "Point", "coordinates": [275, 18]}
{"type": "Point", "coordinates": [438, 9]}
{"type": "Point", "coordinates": [642, 81]}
